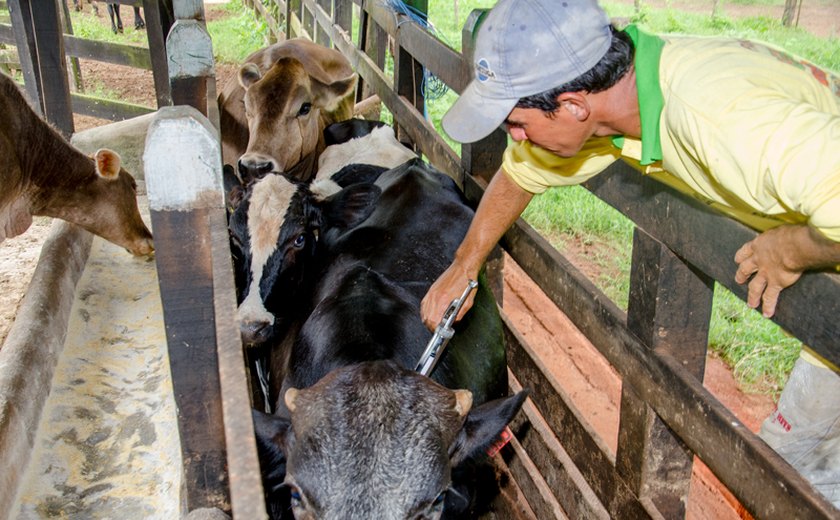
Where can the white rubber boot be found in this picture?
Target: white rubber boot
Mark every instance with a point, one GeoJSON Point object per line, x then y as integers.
{"type": "Point", "coordinates": [805, 428]}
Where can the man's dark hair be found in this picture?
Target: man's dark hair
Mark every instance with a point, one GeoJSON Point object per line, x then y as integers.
{"type": "Point", "coordinates": [606, 73]}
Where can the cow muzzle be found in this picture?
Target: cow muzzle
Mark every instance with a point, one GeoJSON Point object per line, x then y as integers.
{"type": "Point", "coordinates": [255, 332]}
{"type": "Point", "coordinates": [255, 166]}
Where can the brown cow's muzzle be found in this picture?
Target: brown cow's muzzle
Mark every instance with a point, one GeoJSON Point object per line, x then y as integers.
{"type": "Point", "coordinates": [142, 247]}
{"type": "Point", "coordinates": [253, 166]}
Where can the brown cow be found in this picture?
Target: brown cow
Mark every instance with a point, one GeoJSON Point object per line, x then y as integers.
{"type": "Point", "coordinates": [44, 175]}
{"type": "Point", "coordinates": [273, 115]}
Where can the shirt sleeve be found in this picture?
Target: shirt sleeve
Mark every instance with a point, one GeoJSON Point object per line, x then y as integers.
{"type": "Point", "coordinates": [535, 169]}
{"type": "Point", "coordinates": [803, 166]}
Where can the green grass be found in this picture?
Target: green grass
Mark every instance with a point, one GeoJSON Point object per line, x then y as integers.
{"type": "Point", "coordinates": [89, 26]}
{"type": "Point", "coordinates": [236, 35]}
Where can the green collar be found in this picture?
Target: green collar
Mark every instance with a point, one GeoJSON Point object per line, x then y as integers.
{"type": "Point", "coordinates": [648, 52]}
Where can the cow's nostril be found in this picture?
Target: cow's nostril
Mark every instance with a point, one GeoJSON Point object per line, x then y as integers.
{"type": "Point", "coordinates": [254, 332]}
{"type": "Point", "coordinates": [250, 170]}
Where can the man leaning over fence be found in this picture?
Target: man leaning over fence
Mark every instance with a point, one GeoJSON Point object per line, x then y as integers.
{"type": "Point", "coordinates": [744, 126]}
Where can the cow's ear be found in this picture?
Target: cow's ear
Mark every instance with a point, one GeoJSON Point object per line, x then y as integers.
{"type": "Point", "coordinates": [234, 191]}
{"type": "Point", "coordinates": [272, 434]}
{"type": "Point", "coordinates": [351, 206]}
{"type": "Point", "coordinates": [330, 96]}
{"type": "Point", "coordinates": [107, 163]}
{"type": "Point", "coordinates": [483, 426]}
{"type": "Point", "coordinates": [248, 75]}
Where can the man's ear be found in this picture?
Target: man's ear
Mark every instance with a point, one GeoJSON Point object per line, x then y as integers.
{"type": "Point", "coordinates": [576, 104]}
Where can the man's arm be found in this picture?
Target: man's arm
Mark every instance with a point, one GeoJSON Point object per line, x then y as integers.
{"type": "Point", "coordinates": [501, 205]}
{"type": "Point", "coordinates": [777, 258]}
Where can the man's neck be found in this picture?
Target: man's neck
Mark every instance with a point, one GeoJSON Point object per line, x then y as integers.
{"type": "Point", "coordinates": [618, 108]}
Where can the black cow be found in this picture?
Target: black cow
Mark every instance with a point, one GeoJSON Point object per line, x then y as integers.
{"type": "Point", "coordinates": [116, 20]}
{"type": "Point", "coordinates": [350, 298]}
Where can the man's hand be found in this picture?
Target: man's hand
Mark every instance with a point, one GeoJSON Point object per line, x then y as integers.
{"type": "Point", "coordinates": [777, 258]}
{"type": "Point", "coordinates": [449, 286]}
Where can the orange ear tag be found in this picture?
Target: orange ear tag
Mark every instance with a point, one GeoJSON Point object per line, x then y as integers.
{"type": "Point", "coordinates": [500, 442]}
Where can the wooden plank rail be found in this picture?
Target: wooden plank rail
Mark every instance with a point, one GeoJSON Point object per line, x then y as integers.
{"type": "Point", "coordinates": [50, 90]}
{"type": "Point", "coordinates": [684, 246]}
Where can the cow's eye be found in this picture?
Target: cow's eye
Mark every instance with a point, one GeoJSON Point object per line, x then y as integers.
{"type": "Point", "coordinates": [304, 109]}
{"type": "Point", "coordinates": [300, 241]}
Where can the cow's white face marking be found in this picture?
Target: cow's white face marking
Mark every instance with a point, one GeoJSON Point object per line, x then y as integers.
{"type": "Point", "coordinates": [267, 211]}
{"type": "Point", "coordinates": [379, 148]}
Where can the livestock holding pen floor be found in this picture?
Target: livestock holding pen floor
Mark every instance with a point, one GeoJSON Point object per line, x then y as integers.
{"type": "Point", "coordinates": [107, 442]}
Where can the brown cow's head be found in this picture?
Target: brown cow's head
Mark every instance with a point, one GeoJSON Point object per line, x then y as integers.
{"type": "Point", "coordinates": [285, 108]}
{"type": "Point", "coordinates": [104, 203]}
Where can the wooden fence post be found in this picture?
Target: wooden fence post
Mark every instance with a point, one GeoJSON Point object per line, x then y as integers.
{"type": "Point", "coordinates": [483, 158]}
{"type": "Point", "coordinates": [184, 180]}
{"type": "Point", "coordinates": [41, 40]}
{"type": "Point", "coordinates": [373, 41]}
{"type": "Point", "coordinates": [190, 59]}
{"type": "Point", "coordinates": [27, 51]}
{"type": "Point", "coordinates": [408, 75]}
{"type": "Point", "coordinates": [669, 310]}
{"type": "Point", "coordinates": [320, 34]}
{"type": "Point", "coordinates": [159, 20]}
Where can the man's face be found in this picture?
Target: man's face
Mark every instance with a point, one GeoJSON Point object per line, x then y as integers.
{"type": "Point", "coordinates": [560, 133]}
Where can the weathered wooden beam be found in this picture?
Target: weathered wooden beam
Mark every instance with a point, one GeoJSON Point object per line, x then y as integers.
{"type": "Point", "coordinates": [159, 19]}
{"type": "Point", "coordinates": [669, 310]}
{"type": "Point", "coordinates": [483, 157]}
{"type": "Point", "coordinates": [190, 64]}
{"type": "Point", "coordinates": [709, 429]}
{"type": "Point", "coordinates": [24, 39]}
{"type": "Point", "coordinates": [585, 449]}
{"type": "Point", "coordinates": [116, 53]}
{"type": "Point", "coordinates": [181, 162]}
{"type": "Point", "coordinates": [184, 181]}
{"type": "Point", "coordinates": [55, 87]}
{"type": "Point", "coordinates": [550, 460]}
{"type": "Point", "coordinates": [708, 240]}
{"type": "Point", "coordinates": [106, 108]}
{"type": "Point", "coordinates": [420, 129]}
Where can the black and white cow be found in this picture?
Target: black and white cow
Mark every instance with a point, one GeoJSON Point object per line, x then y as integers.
{"type": "Point", "coordinates": [358, 434]}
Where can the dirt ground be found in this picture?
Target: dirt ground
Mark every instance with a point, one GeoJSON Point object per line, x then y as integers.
{"type": "Point", "coordinates": [592, 383]}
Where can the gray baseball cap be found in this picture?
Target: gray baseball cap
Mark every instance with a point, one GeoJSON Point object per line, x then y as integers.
{"type": "Point", "coordinates": [525, 47]}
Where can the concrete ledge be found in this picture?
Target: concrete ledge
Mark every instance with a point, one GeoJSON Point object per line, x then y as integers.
{"type": "Point", "coordinates": [31, 350]}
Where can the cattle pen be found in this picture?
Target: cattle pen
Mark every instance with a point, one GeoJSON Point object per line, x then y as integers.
{"type": "Point", "coordinates": [559, 466]}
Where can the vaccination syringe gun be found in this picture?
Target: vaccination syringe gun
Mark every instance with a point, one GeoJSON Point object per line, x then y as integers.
{"type": "Point", "coordinates": [443, 332]}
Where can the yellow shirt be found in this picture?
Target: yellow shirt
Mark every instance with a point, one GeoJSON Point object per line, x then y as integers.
{"type": "Point", "coordinates": [739, 127]}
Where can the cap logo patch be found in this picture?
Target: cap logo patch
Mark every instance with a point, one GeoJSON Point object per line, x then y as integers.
{"type": "Point", "coordinates": [483, 71]}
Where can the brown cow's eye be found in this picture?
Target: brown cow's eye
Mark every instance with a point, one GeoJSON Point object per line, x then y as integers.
{"type": "Point", "coordinates": [305, 109]}
{"type": "Point", "coordinates": [300, 240]}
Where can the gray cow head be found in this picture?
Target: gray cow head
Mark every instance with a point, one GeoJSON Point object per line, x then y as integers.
{"type": "Point", "coordinates": [374, 440]}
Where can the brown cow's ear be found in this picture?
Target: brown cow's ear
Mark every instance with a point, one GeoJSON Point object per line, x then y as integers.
{"type": "Point", "coordinates": [107, 163]}
{"type": "Point", "coordinates": [329, 97]}
{"type": "Point", "coordinates": [248, 75]}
